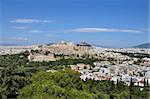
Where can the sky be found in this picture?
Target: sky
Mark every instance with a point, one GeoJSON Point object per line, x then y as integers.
{"type": "Point", "coordinates": [115, 23]}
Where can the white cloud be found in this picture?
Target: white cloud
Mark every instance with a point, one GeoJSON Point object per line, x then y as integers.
{"type": "Point", "coordinates": [98, 30]}
{"type": "Point", "coordinates": [34, 31]}
{"type": "Point", "coordinates": [18, 39]}
{"type": "Point", "coordinates": [24, 20]}
{"type": "Point", "coordinates": [14, 39]}
{"type": "Point", "coordinates": [105, 30]}
{"type": "Point", "coordinates": [21, 27]}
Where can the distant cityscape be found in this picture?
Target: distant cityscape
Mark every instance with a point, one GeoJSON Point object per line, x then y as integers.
{"type": "Point", "coordinates": [116, 64]}
{"type": "Point", "coordinates": [74, 49]}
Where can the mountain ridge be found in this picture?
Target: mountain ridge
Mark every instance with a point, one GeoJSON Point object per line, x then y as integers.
{"type": "Point", "coordinates": [144, 45]}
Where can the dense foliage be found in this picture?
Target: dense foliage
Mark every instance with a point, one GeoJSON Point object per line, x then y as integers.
{"type": "Point", "coordinates": [15, 71]}
{"type": "Point", "coordinates": [67, 85]}
{"type": "Point", "coordinates": [13, 76]}
{"type": "Point", "coordinates": [16, 79]}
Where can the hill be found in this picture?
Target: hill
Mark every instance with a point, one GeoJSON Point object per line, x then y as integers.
{"type": "Point", "coordinates": [145, 45]}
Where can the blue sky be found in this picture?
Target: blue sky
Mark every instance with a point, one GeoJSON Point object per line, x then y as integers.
{"type": "Point", "coordinates": [118, 23]}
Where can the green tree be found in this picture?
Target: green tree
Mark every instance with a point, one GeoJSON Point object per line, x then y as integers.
{"type": "Point", "coordinates": [11, 80]}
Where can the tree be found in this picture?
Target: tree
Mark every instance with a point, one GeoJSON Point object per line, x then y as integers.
{"type": "Point", "coordinates": [12, 81]}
